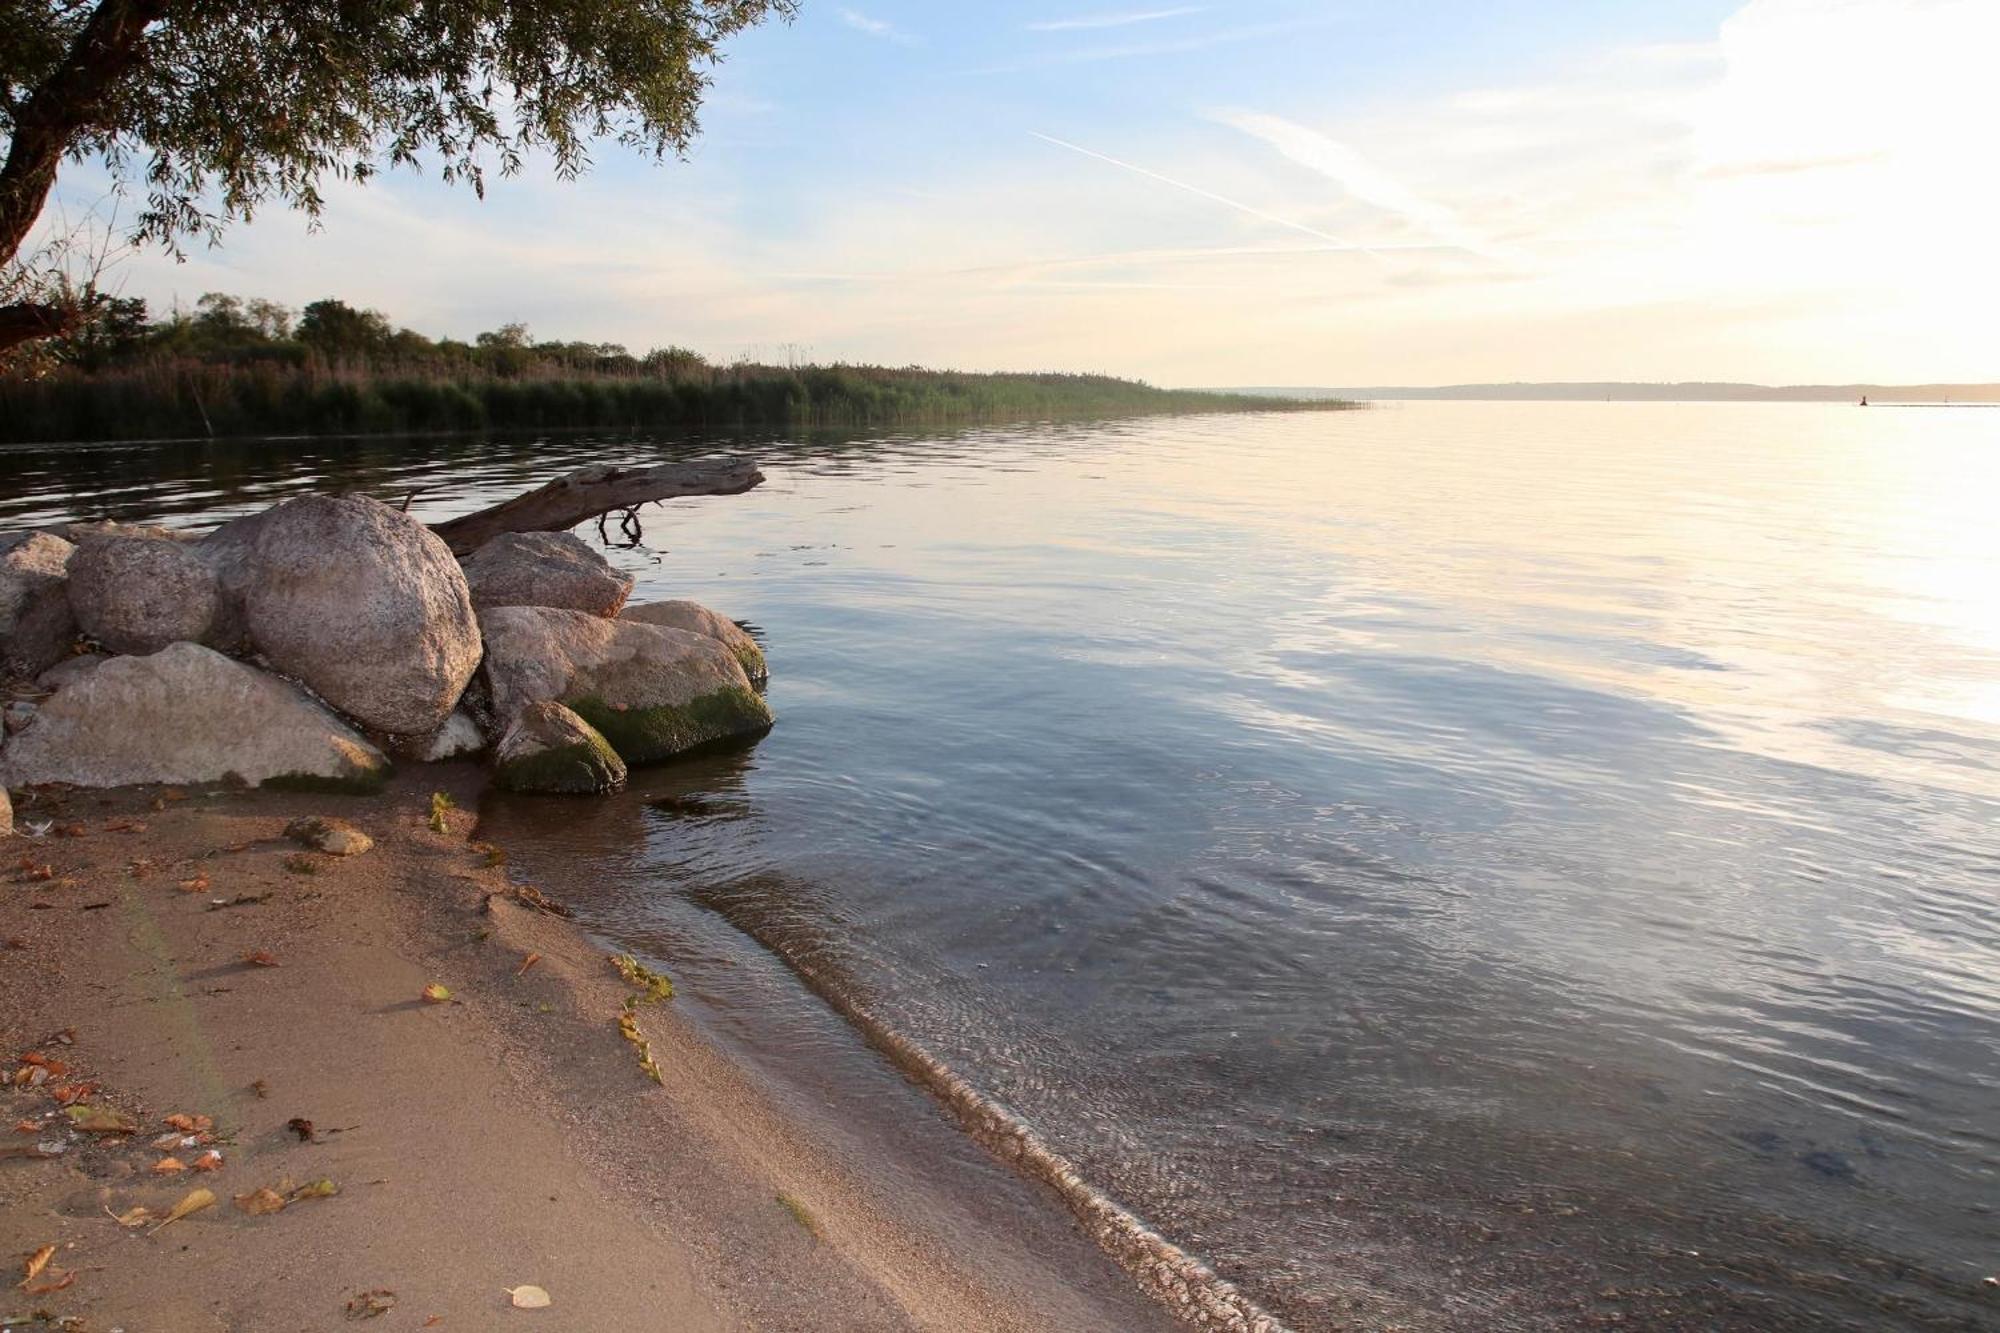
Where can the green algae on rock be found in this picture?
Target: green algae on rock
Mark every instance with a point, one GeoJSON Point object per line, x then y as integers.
{"type": "Point", "coordinates": [650, 735]}
{"type": "Point", "coordinates": [551, 750]}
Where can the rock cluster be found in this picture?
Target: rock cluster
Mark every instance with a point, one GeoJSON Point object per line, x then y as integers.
{"type": "Point", "coordinates": [308, 643]}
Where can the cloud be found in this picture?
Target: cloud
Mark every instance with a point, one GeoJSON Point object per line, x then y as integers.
{"type": "Point", "coordinates": [875, 27]}
{"type": "Point", "coordinates": [1087, 22]}
{"type": "Point", "coordinates": [1355, 174]}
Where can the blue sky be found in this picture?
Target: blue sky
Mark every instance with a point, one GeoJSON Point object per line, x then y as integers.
{"type": "Point", "coordinates": [1270, 192]}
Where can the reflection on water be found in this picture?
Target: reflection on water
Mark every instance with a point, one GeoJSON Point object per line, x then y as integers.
{"type": "Point", "coordinates": [1517, 865]}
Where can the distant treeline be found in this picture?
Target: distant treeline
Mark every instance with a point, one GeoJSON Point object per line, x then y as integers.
{"type": "Point", "coordinates": [252, 367]}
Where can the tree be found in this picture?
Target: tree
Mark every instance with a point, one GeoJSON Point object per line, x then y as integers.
{"type": "Point", "coordinates": [222, 106]}
{"type": "Point", "coordinates": [335, 328]}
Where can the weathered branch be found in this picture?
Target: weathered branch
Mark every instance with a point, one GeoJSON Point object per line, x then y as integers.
{"type": "Point", "coordinates": [583, 495]}
{"type": "Point", "coordinates": [29, 320]}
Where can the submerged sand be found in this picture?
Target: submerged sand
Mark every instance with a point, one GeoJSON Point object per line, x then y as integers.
{"type": "Point", "coordinates": [176, 953]}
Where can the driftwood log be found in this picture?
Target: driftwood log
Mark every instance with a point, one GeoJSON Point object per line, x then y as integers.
{"type": "Point", "coordinates": [594, 492]}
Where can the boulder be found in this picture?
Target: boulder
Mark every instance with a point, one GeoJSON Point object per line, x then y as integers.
{"type": "Point", "coordinates": [18, 715]}
{"type": "Point", "coordinates": [136, 591]}
{"type": "Point", "coordinates": [458, 738]}
{"type": "Point", "coordinates": [188, 714]}
{"type": "Point", "coordinates": [652, 692]}
{"type": "Point", "coordinates": [698, 619]}
{"type": "Point", "coordinates": [335, 837]}
{"type": "Point", "coordinates": [36, 627]}
{"type": "Point", "coordinates": [69, 669]}
{"type": "Point", "coordinates": [545, 569]}
{"type": "Point", "coordinates": [361, 603]}
{"type": "Point", "coordinates": [549, 749]}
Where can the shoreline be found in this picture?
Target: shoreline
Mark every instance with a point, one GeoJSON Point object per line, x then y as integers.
{"type": "Point", "coordinates": [507, 1136]}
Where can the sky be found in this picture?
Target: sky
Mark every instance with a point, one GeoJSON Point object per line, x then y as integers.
{"type": "Point", "coordinates": [1258, 192]}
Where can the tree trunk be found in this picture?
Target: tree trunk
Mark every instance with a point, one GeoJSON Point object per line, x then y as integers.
{"type": "Point", "coordinates": [70, 102]}
{"type": "Point", "coordinates": [581, 496]}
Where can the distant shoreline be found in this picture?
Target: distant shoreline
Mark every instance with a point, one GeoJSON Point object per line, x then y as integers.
{"type": "Point", "coordinates": [1622, 391]}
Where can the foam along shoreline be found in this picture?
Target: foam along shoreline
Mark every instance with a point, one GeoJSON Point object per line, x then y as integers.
{"type": "Point", "coordinates": [178, 957]}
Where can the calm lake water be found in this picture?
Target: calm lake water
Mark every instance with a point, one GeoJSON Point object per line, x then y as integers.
{"type": "Point", "coordinates": [1457, 866]}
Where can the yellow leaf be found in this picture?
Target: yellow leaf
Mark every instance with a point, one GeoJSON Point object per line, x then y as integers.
{"type": "Point", "coordinates": [529, 1298]}
{"type": "Point", "coordinates": [261, 1201]}
{"type": "Point", "coordinates": [169, 1166]}
{"type": "Point", "coordinates": [316, 1189]}
{"type": "Point", "coordinates": [436, 993]}
{"type": "Point", "coordinates": [132, 1217]}
{"type": "Point", "coordinates": [195, 1201]}
{"type": "Point", "coordinates": [100, 1120]}
{"type": "Point", "coordinates": [37, 1261]}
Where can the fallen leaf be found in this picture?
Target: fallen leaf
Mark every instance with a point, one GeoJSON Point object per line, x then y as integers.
{"type": "Point", "coordinates": [132, 1217]}
{"type": "Point", "coordinates": [258, 1202]}
{"type": "Point", "coordinates": [432, 1322]}
{"type": "Point", "coordinates": [302, 1127]}
{"type": "Point", "coordinates": [55, 1281]}
{"type": "Point", "coordinates": [199, 884]}
{"type": "Point", "coordinates": [27, 1127]}
{"type": "Point", "coordinates": [528, 962]}
{"type": "Point", "coordinates": [69, 830]}
{"type": "Point", "coordinates": [100, 1120]}
{"type": "Point", "coordinates": [261, 1088]}
{"type": "Point", "coordinates": [529, 1298]}
{"type": "Point", "coordinates": [31, 871]}
{"type": "Point", "coordinates": [436, 993]}
{"type": "Point", "coordinates": [260, 958]}
{"type": "Point", "coordinates": [169, 1166]}
{"type": "Point", "coordinates": [68, 1094]}
{"type": "Point", "coordinates": [208, 1161]}
{"type": "Point", "coordinates": [35, 1263]}
{"type": "Point", "coordinates": [194, 1202]}
{"type": "Point", "coordinates": [371, 1303]}
{"type": "Point", "coordinates": [315, 1189]}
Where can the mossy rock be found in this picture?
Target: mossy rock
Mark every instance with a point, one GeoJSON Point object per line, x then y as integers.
{"type": "Point", "coordinates": [358, 782]}
{"type": "Point", "coordinates": [652, 735]}
{"type": "Point", "coordinates": [550, 750]}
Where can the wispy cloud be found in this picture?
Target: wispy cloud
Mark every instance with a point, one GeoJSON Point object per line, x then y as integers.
{"type": "Point", "coordinates": [875, 27]}
{"type": "Point", "coordinates": [1197, 190]}
{"type": "Point", "coordinates": [1089, 22]}
{"type": "Point", "coordinates": [1355, 174]}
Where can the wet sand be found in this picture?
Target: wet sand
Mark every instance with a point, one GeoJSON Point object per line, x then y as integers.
{"type": "Point", "coordinates": [184, 958]}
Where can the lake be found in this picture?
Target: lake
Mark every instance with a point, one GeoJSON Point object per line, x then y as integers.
{"type": "Point", "coordinates": [1450, 865]}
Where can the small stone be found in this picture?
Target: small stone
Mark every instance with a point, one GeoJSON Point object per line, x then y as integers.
{"type": "Point", "coordinates": [335, 837]}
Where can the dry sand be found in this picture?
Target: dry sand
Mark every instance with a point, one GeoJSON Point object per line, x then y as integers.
{"type": "Point", "coordinates": [507, 1136]}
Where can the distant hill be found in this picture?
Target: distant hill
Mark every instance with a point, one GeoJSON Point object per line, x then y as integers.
{"type": "Point", "coordinates": [1692, 392]}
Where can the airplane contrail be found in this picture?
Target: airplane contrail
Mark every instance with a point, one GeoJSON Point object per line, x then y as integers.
{"type": "Point", "coordinates": [1211, 195]}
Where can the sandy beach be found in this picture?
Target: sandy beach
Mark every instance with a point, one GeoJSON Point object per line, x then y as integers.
{"type": "Point", "coordinates": [171, 954]}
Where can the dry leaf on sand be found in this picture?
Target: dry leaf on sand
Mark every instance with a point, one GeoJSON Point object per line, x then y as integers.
{"type": "Point", "coordinates": [32, 1267]}
{"type": "Point", "coordinates": [136, 1216]}
{"type": "Point", "coordinates": [259, 1202]}
{"type": "Point", "coordinates": [529, 1297]}
{"type": "Point", "coordinates": [194, 1202]}
{"type": "Point", "coordinates": [100, 1120]}
{"type": "Point", "coordinates": [208, 1161]}
{"type": "Point", "coordinates": [371, 1303]}
{"type": "Point", "coordinates": [169, 1166]}
{"type": "Point", "coordinates": [436, 993]}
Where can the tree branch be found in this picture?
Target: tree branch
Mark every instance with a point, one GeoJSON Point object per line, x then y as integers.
{"type": "Point", "coordinates": [29, 320]}
{"type": "Point", "coordinates": [583, 495]}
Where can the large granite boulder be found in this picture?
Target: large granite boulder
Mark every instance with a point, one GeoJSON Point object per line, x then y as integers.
{"type": "Point", "coordinates": [69, 669]}
{"type": "Point", "coordinates": [36, 627]}
{"type": "Point", "coordinates": [652, 692]}
{"type": "Point", "coordinates": [187, 714]}
{"type": "Point", "coordinates": [549, 749]}
{"type": "Point", "coordinates": [545, 569]}
{"type": "Point", "coordinates": [136, 592]}
{"type": "Point", "coordinates": [698, 619]}
{"type": "Point", "coordinates": [458, 738]}
{"type": "Point", "coordinates": [360, 602]}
